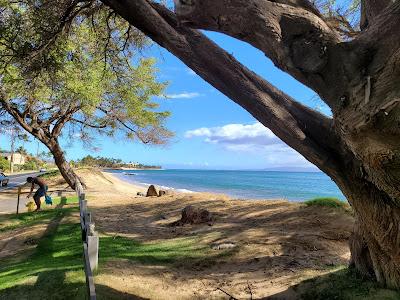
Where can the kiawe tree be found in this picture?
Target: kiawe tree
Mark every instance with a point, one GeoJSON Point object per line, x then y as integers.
{"type": "Point", "coordinates": [79, 80]}
{"type": "Point", "coordinates": [356, 72]}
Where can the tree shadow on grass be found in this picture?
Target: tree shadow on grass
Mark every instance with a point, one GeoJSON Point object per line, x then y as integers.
{"type": "Point", "coordinates": [54, 270]}
{"type": "Point", "coordinates": [344, 284]}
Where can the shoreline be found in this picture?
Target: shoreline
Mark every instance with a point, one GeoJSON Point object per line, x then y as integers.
{"type": "Point", "coordinates": [144, 185]}
{"type": "Point", "coordinates": [132, 169]}
{"type": "Point", "coordinates": [294, 188]}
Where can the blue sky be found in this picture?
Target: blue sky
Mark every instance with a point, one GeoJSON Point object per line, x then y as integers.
{"type": "Point", "coordinates": [212, 132]}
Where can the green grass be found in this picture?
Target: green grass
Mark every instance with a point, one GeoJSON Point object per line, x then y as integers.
{"type": "Point", "coordinates": [344, 284]}
{"type": "Point", "coordinates": [10, 222]}
{"type": "Point", "coordinates": [65, 200]}
{"type": "Point", "coordinates": [54, 270]}
{"type": "Point", "coordinates": [50, 174]}
{"type": "Point", "coordinates": [168, 252]}
{"type": "Point", "coordinates": [328, 202]}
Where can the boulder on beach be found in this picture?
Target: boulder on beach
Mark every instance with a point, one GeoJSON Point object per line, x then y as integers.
{"type": "Point", "coordinates": [161, 193]}
{"type": "Point", "coordinates": [194, 215]}
{"type": "Point", "coordinates": [152, 191]}
{"type": "Point", "coordinates": [140, 194]}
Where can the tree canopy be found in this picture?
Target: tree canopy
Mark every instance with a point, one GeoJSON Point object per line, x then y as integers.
{"type": "Point", "coordinates": [85, 74]}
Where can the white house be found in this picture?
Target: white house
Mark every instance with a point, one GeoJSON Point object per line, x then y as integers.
{"type": "Point", "coordinates": [18, 158]}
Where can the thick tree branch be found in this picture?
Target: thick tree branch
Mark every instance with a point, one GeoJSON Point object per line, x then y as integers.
{"type": "Point", "coordinates": [298, 40]}
{"type": "Point", "coordinates": [289, 120]}
{"type": "Point", "coordinates": [377, 53]}
{"type": "Point", "coordinates": [66, 117]}
{"type": "Point", "coordinates": [370, 10]}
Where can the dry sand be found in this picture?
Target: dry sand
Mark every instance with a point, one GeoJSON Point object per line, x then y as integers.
{"type": "Point", "coordinates": [276, 244]}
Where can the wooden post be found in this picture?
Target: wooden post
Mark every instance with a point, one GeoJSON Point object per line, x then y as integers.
{"type": "Point", "coordinates": [19, 194]}
{"type": "Point", "coordinates": [89, 274]}
{"type": "Point", "coordinates": [93, 251]}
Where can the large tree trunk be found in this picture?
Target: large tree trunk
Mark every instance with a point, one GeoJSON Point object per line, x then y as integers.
{"type": "Point", "coordinates": [65, 169]}
{"type": "Point", "coordinates": [375, 242]}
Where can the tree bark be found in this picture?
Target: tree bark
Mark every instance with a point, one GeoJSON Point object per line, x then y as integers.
{"type": "Point", "coordinates": [375, 242]}
{"type": "Point", "coordinates": [65, 168]}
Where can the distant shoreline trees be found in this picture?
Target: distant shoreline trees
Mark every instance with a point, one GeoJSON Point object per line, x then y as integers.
{"type": "Point", "coordinates": [105, 162]}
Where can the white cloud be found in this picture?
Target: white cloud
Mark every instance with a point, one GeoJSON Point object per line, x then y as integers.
{"type": "Point", "coordinates": [251, 138]}
{"type": "Point", "coordinates": [184, 95]}
{"type": "Point", "coordinates": [236, 134]}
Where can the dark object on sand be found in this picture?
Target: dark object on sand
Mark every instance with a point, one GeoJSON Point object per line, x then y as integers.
{"type": "Point", "coordinates": [152, 191]}
{"type": "Point", "coordinates": [161, 193]}
{"type": "Point", "coordinates": [194, 215]}
{"type": "Point", "coordinates": [140, 194]}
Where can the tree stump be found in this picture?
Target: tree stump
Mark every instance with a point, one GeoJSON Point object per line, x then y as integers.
{"type": "Point", "coordinates": [194, 215]}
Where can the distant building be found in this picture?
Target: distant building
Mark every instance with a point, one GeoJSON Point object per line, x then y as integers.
{"type": "Point", "coordinates": [18, 158]}
{"type": "Point", "coordinates": [132, 164]}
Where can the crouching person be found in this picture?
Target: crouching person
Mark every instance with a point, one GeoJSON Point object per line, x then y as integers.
{"type": "Point", "coordinates": [41, 191]}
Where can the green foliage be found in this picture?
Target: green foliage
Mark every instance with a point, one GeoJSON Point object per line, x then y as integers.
{"type": "Point", "coordinates": [65, 200]}
{"type": "Point", "coordinates": [4, 164]}
{"type": "Point", "coordinates": [328, 202]}
{"type": "Point", "coordinates": [30, 165]}
{"type": "Point", "coordinates": [22, 150]}
{"type": "Point", "coordinates": [50, 174]}
{"type": "Point", "coordinates": [80, 65]}
{"type": "Point", "coordinates": [105, 162]}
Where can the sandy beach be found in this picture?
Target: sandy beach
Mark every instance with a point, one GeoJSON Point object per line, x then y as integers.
{"type": "Point", "coordinates": [253, 249]}
{"type": "Point", "coordinates": [272, 245]}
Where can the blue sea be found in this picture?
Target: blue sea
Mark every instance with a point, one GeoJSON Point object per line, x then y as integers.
{"type": "Point", "coordinates": [293, 186]}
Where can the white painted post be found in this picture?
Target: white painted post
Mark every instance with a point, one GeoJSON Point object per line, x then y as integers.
{"type": "Point", "coordinates": [93, 250]}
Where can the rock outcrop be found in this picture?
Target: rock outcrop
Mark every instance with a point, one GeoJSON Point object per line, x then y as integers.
{"type": "Point", "coordinates": [152, 191]}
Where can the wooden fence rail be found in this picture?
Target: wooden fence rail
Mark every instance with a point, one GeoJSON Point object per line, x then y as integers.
{"type": "Point", "coordinates": [90, 241]}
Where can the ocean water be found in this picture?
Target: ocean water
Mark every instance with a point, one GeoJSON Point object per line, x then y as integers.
{"type": "Point", "coordinates": [293, 186]}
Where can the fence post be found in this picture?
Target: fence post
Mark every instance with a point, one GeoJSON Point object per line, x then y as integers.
{"type": "Point", "coordinates": [90, 242]}
{"type": "Point", "coordinates": [93, 250]}
{"type": "Point", "coordinates": [19, 195]}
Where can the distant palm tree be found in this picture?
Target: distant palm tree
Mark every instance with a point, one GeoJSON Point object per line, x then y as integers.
{"type": "Point", "coordinates": [21, 150]}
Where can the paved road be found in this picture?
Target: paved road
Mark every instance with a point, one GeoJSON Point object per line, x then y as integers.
{"type": "Point", "coordinates": [17, 180]}
{"type": "Point", "coordinates": [8, 194]}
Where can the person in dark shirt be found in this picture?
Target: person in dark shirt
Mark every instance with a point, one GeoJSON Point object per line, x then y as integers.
{"type": "Point", "coordinates": [41, 192]}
